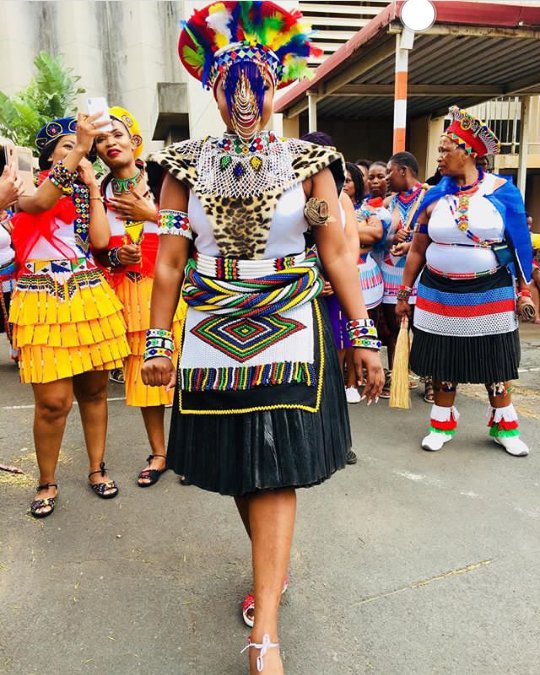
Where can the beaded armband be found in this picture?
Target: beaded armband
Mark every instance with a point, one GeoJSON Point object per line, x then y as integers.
{"type": "Point", "coordinates": [112, 256]}
{"type": "Point", "coordinates": [61, 177]}
{"type": "Point", "coordinates": [174, 222]}
{"type": "Point", "coordinates": [404, 293]}
{"type": "Point", "coordinates": [159, 342]}
{"type": "Point", "coordinates": [363, 334]}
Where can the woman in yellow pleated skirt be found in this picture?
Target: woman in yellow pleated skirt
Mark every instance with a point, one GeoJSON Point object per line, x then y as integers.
{"type": "Point", "coordinates": [131, 257]}
{"type": "Point", "coordinates": [67, 321]}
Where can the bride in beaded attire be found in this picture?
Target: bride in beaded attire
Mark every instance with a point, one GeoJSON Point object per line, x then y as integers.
{"type": "Point", "coordinates": [260, 407]}
{"type": "Point", "coordinates": [131, 258]}
{"type": "Point", "coordinates": [67, 322]}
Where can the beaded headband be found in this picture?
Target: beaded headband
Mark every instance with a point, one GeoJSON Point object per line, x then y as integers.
{"type": "Point", "coordinates": [471, 134]}
{"type": "Point", "coordinates": [63, 126]}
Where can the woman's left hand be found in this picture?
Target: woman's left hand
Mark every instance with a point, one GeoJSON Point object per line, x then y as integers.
{"type": "Point", "coordinates": [371, 361]}
{"type": "Point", "coordinates": [401, 249]}
{"type": "Point", "coordinates": [133, 206]}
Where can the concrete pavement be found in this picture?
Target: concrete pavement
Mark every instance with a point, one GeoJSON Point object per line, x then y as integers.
{"type": "Point", "coordinates": [407, 563]}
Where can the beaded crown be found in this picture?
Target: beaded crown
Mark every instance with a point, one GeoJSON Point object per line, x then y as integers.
{"type": "Point", "coordinates": [63, 126]}
{"type": "Point", "coordinates": [232, 32]}
{"type": "Point", "coordinates": [471, 133]}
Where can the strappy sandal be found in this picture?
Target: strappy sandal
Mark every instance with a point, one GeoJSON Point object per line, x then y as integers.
{"type": "Point", "coordinates": [385, 393]}
{"type": "Point", "coordinates": [429, 394]}
{"type": "Point", "coordinates": [47, 503]}
{"type": "Point", "coordinates": [248, 606]}
{"type": "Point", "coordinates": [151, 475]}
{"type": "Point", "coordinates": [264, 646]}
{"type": "Point", "coordinates": [106, 489]}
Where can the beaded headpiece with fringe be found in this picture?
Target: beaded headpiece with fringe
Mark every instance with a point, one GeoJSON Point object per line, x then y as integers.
{"type": "Point", "coordinates": [242, 43]}
{"type": "Point", "coordinates": [471, 134]}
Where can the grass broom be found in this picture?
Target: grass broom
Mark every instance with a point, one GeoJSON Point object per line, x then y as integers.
{"type": "Point", "coordinates": [400, 395]}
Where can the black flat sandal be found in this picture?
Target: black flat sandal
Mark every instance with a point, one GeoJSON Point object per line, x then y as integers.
{"type": "Point", "coordinates": [101, 489]}
{"type": "Point", "coordinates": [151, 475]}
{"type": "Point", "coordinates": [47, 503]}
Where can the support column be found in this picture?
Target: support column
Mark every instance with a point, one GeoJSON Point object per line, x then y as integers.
{"type": "Point", "coordinates": [524, 144]}
{"type": "Point", "coordinates": [312, 111]}
{"type": "Point", "coordinates": [400, 95]}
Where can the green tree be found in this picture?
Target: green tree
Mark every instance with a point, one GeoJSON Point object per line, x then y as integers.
{"type": "Point", "coordinates": [51, 93]}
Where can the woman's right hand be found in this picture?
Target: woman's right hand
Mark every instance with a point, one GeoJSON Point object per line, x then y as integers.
{"type": "Point", "coordinates": [159, 372]}
{"type": "Point", "coordinates": [403, 309]}
{"type": "Point", "coordinates": [129, 254]}
{"type": "Point", "coordinates": [87, 129]}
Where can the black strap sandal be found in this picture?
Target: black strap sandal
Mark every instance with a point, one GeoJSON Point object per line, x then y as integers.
{"type": "Point", "coordinates": [150, 475]}
{"type": "Point", "coordinates": [48, 503]}
{"type": "Point", "coordinates": [106, 489]}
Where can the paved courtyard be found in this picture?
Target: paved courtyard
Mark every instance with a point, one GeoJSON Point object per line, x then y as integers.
{"type": "Point", "coordinates": [407, 563]}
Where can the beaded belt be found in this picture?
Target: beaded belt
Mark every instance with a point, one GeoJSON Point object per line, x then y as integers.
{"type": "Point", "coordinates": [264, 287]}
{"type": "Point", "coordinates": [58, 266]}
{"type": "Point", "coordinates": [233, 268]}
{"type": "Point", "coordinates": [483, 245]}
{"type": "Point", "coordinates": [463, 275]}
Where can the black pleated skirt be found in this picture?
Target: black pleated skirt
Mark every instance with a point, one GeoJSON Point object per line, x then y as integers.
{"type": "Point", "coordinates": [242, 453]}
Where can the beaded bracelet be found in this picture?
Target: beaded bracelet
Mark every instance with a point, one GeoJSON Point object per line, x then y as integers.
{"type": "Point", "coordinates": [363, 334]}
{"type": "Point", "coordinates": [112, 256]}
{"type": "Point", "coordinates": [61, 177]}
{"type": "Point", "coordinates": [174, 222]}
{"type": "Point", "coordinates": [159, 342]}
{"type": "Point", "coordinates": [524, 293]}
{"type": "Point", "coordinates": [367, 343]}
{"type": "Point", "coordinates": [404, 293]}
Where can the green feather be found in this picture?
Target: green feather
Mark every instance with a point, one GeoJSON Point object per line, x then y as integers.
{"type": "Point", "coordinates": [194, 57]}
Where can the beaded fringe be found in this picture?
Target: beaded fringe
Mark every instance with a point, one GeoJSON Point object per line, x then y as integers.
{"type": "Point", "coordinates": [244, 378]}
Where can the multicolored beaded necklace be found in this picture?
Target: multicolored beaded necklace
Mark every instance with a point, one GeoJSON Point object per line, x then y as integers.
{"type": "Point", "coordinates": [461, 213]}
{"type": "Point", "coordinates": [120, 185]}
{"type": "Point", "coordinates": [234, 147]}
{"type": "Point", "coordinates": [405, 200]}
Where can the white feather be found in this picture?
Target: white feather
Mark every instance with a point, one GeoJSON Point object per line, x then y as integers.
{"type": "Point", "coordinates": [219, 22]}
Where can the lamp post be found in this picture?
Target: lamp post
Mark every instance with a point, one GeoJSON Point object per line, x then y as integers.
{"type": "Point", "coordinates": [416, 16]}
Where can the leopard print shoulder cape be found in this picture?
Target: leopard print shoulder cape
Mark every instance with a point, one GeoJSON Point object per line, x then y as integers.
{"type": "Point", "coordinates": [238, 194]}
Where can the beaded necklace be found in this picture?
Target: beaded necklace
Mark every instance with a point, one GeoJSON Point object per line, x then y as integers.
{"type": "Point", "coordinates": [120, 185]}
{"type": "Point", "coordinates": [404, 201]}
{"type": "Point", "coordinates": [459, 208]}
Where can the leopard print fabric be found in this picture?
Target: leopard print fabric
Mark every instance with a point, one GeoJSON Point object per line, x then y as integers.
{"type": "Point", "coordinates": [241, 224]}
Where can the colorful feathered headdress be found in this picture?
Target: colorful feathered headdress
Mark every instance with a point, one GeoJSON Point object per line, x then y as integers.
{"type": "Point", "coordinates": [232, 32]}
{"type": "Point", "coordinates": [471, 134]}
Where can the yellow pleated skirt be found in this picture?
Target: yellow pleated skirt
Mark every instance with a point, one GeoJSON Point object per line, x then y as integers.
{"type": "Point", "coordinates": [65, 324]}
{"type": "Point", "coordinates": [135, 294]}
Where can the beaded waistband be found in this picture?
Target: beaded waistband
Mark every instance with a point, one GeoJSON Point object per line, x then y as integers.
{"type": "Point", "coordinates": [233, 268]}
{"type": "Point", "coordinates": [58, 266]}
{"type": "Point", "coordinates": [463, 275]}
{"type": "Point", "coordinates": [483, 245]}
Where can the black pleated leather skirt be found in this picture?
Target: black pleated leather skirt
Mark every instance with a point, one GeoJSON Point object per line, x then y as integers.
{"type": "Point", "coordinates": [238, 454]}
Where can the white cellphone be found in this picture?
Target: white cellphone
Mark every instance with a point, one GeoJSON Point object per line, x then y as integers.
{"type": "Point", "coordinates": [98, 104]}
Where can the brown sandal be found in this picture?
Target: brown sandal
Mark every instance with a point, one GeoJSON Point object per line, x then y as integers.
{"type": "Point", "coordinates": [151, 475]}
{"type": "Point", "coordinates": [106, 489]}
{"type": "Point", "coordinates": [47, 503]}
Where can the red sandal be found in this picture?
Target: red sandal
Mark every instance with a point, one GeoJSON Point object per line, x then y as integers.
{"type": "Point", "coordinates": [248, 606]}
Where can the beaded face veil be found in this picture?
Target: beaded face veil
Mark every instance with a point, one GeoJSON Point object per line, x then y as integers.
{"type": "Point", "coordinates": [243, 44]}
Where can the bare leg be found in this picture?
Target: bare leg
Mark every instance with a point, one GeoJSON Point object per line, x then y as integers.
{"type": "Point", "coordinates": [242, 504]}
{"type": "Point", "coordinates": [271, 518]}
{"type": "Point", "coordinates": [154, 417]}
{"type": "Point", "coordinates": [351, 370]}
{"type": "Point", "coordinates": [341, 359]}
{"type": "Point", "coordinates": [53, 403]}
{"type": "Point", "coordinates": [392, 324]}
{"type": "Point", "coordinates": [499, 394]}
{"type": "Point", "coordinates": [91, 393]}
{"type": "Point", "coordinates": [444, 393]}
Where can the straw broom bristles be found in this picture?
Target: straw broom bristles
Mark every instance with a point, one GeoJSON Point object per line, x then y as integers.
{"type": "Point", "coordinates": [400, 396]}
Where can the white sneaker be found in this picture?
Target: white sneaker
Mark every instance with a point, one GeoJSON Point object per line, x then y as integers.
{"type": "Point", "coordinates": [434, 441]}
{"type": "Point", "coordinates": [352, 395]}
{"type": "Point", "coordinates": [513, 446]}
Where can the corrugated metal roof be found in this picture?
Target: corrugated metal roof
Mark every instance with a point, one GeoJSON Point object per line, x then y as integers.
{"type": "Point", "coordinates": [499, 60]}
